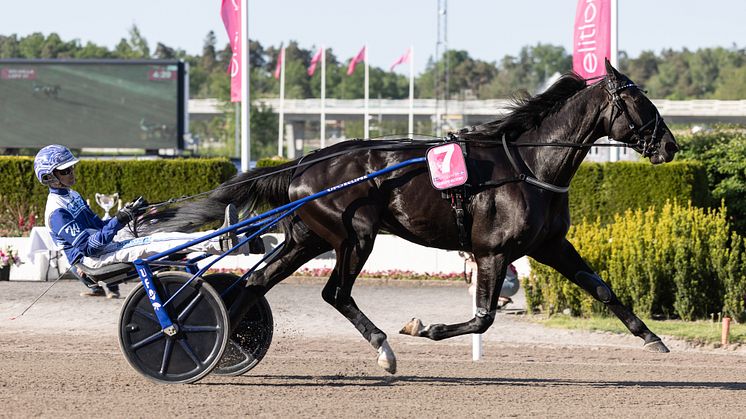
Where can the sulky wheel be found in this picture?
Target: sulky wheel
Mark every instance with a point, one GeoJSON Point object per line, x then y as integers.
{"type": "Point", "coordinates": [202, 322]}
{"type": "Point", "coordinates": [250, 340]}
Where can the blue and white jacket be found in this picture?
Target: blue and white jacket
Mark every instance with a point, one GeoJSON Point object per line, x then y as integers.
{"type": "Point", "coordinates": [75, 227]}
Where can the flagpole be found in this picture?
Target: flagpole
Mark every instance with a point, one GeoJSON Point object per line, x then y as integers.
{"type": "Point", "coordinates": [281, 128]}
{"type": "Point", "coordinates": [411, 92]}
{"type": "Point", "coordinates": [614, 153]}
{"type": "Point", "coordinates": [614, 34]}
{"type": "Point", "coordinates": [323, 97]}
{"type": "Point", "coordinates": [366, 129]}
{"type": "Point", "coordinates": [245, 96]}
{"type": "Point", "coordinates": [237, 133]}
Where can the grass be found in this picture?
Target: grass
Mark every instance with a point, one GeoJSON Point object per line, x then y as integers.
{"type": "Point", "coordinates": [698, 332]}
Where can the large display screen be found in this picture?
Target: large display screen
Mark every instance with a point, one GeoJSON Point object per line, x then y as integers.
{"type": "Point", "coordinates": [101, 104]}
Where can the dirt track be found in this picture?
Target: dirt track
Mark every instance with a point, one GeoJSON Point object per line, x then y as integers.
{"type": "Point", "coordinates": [62, 359]}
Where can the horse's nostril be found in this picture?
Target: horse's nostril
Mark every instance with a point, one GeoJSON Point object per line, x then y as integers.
{"type": "Point", "coordinates": [671, 147]}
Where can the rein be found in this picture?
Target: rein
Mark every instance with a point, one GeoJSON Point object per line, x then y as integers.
{"type": "Point", "coordinates": [407, 143]}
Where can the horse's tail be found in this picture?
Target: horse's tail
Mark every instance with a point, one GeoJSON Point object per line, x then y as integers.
{"type": "Point", "coordinates": [249, 191]}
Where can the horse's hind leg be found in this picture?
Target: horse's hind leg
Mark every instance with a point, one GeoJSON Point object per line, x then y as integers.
{"type": "Point", "coordinates": [490, 275]}
{"type": "Point", "coordinates": [350, 260]}
{"type": "Point", "coordinates": [563, 257]}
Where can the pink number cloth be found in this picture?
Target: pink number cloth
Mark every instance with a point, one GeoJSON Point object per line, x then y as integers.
{"type": "Point", "coordinates": [447, 166]}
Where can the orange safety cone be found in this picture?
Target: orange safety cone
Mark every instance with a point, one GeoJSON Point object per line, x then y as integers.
{"type": "Point", "coordinates": [726, 331]}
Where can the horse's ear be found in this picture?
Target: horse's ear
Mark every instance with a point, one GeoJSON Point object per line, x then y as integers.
{"type": "Point", "coordinates": [610, 70]}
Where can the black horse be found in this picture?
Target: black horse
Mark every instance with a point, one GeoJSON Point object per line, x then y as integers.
{"type": "Point", "coordinates": [515, 201]}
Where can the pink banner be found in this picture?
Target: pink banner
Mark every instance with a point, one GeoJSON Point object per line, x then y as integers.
{"type": "Point", "coordinates": [401, 60]}
{"type": "Point", "coordinates": [353, 62]}
{"type": "Point", "coordinates": [315, 60]}
{"type": "Point", "coordinates": [278, 67]}
{"type": "Point", "coordinates": [591, 37]}
{"type": "Point", "coordinates": [230, 11]}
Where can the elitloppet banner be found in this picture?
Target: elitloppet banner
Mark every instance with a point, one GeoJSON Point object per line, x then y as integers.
{"type": "Point", "coordinates": [230, 11]}
{"type": "Point", "coordinates": [591, 37]}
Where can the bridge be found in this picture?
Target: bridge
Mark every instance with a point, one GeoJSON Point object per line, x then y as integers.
{"type": "Point", "coordinates": [302, 116]}
{"type": "Point", "coordinates": [675, 111]}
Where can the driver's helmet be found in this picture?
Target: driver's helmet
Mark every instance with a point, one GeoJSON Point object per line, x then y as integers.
{"type": "Point", "coordinates": [50, 158]}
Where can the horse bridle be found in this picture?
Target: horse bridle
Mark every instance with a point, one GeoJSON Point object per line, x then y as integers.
{"type": "Point", "coordinates": [647, 146]}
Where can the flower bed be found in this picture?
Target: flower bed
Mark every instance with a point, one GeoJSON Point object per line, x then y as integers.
{"type": "Point", "coordinates": [387, 274]}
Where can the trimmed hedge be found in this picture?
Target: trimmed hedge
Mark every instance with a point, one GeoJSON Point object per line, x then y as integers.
{"type": "Point", "coordinates": [271, 161]}
{"type": "Point", "coordinates": [676, 261]}
{"type": "Point", "coordinates": [156, 180]}
{"type": "Point", "coordinates": [604, 190]}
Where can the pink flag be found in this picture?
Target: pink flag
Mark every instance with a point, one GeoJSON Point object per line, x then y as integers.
{"type": "Point", "coordinates": [353, 62]}
{"type": "Point", "coordinates": [591, 37]}
{"type": "Point", "coordinates": [316, 58]}
{"type": "Point", "coordinates": [401, 60]}
{"type": "Point", "coordinates": [278, 68]}
{"type": "Point", "coordinates": [230, 11]}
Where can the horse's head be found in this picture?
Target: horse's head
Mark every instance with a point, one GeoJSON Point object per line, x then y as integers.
{"type": "Point", "coordinates": [633, 119]}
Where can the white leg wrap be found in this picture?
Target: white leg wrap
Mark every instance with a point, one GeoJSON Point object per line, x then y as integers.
{"type": "Point", "coordinates": [386, 358]}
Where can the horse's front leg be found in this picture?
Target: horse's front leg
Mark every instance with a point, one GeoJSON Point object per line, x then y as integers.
{"type": "Point", "coordinates": [562, 256]}
{"type": "Point", "coordinates": [490, 275]}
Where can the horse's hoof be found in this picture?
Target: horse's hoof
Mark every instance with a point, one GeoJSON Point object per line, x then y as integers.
{"type": "Point", "coordinates": [386, 358]}
{"type": "Point", "coordinates": [656, 346]}
{"type": "Point", "coordinates": [413, 328]}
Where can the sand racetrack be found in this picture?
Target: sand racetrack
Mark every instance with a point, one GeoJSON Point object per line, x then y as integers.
{"type": "Point", "coordinates": [62, 359]}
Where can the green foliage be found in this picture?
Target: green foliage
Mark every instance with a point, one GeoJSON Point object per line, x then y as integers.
{"type": "Point", "coordinates": [156, 180]}
{"type": "Point", "coordinates": [604, 190]}
{"type": "Point", "coordinates": [697, 332]}
{"type": "Point", "coordinates": [673, 260]}
{"type": "Point", "coordinates": [723, 154]}
{"type": "Point", "coordinates": [221, 130]}
{"type": "Point", "coordinates": [271, 162]}
{"type": "Point", "coordinates": [707, 73]}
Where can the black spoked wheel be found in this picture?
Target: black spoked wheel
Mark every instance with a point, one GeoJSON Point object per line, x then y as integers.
{"type": "Point", "coordinates": [252, 337]}
{"type": "Point", "coordinates": [190, 354]}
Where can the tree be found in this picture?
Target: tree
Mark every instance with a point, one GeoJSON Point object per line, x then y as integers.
{"type": "Point", "coordinates": [209, 57]}
{"type": "Point", "coordinates": [466, 76]}
{"type": "Point", "coordinates": [730, 84]}
{"type": "Point", "coordinates": [9, 47]}
{"type": "Point", "coordinates": [163, 52]}
{"type": "Point", "coordinates": [642, 68]}
{"type": "Point", "coordinates": [91, 50]}
{"type": "Point", "coordinates": [31, 46]}
{"type": "Point", "coordinates": [134, 48]}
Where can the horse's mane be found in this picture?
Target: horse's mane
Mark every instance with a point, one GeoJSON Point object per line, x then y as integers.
{"type": "Point", "coordinates": [527, 112]}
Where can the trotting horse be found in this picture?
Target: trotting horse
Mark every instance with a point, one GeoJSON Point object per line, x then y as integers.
{"type": "Point", "coordinates": [516, 203]}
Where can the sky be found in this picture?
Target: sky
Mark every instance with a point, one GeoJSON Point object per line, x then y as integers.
{"type": "Point", "coordinates": [487, 29]}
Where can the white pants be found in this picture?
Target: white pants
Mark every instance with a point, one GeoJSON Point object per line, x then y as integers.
{"type": "Point", "coordinates": [125, 248]}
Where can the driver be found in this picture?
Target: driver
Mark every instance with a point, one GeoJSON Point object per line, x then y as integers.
{"type": "Point", "coordinates": [85, 238]}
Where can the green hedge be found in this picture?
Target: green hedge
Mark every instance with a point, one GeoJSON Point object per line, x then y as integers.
{"type": "Point", "coordinates": [674, 261]}
{"type": "Point", "coordinates": [156, 180]}
{"type": "Point", "coordinates": [271, 161]}
{"type": "Point", "coordinates": [606, 189]}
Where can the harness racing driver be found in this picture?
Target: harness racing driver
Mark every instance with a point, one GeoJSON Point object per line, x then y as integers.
{"type": "Point", "coordinates": [85, 238]}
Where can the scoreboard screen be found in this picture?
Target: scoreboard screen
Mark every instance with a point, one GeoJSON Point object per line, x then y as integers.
{"type": "Point", "coordinates": [92, 103]}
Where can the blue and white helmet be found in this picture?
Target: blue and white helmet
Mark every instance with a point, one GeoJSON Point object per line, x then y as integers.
{"type": "Point", "coordinates": [50, 158]}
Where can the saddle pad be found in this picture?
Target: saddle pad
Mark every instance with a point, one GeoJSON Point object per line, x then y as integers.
{"type": "Point", "coordinates": [447, 166]}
